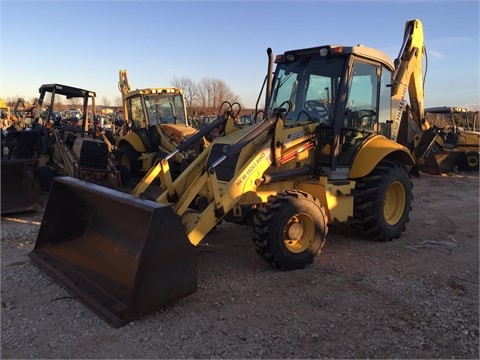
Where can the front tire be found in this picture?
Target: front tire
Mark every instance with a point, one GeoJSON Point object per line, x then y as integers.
{"type": "Point", "coordinates": [383, 202]}
{"type": "Point", "coordinates": [472, 161]}
{"type": "Point", "coordinates": [129, 158]}
{"type": "Point", "coordinates": [290, 230]}
{"type": "Point", "coordinates": [125, 176]}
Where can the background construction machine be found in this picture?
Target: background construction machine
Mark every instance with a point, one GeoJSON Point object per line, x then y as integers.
{"type": "Point", "coordinates": [410, 125]}
{"type": "Point", "coordinates": [19, 190]}
{"type": "Point", "coordinates": [155, 124]}
{"type": "Point", "coordinates": [457, 131]}
{"type": "Point", "coordinates": [5, 113]}
{"type": "Point", "coordinates": [317, 159]}
{"type": "Point", "coordinates": [73, 149]}
{"type": "Point", "coordinates": [20, 150]}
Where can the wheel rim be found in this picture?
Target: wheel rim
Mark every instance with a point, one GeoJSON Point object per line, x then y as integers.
{"type": "Point", "coordinates": [472, 160]}
{"type": "Point", "coordinates": [394, 203]}
{"type": "Point", "coordinates": [299, 233]}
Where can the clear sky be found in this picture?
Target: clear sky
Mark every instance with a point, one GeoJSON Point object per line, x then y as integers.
{"type": "Point", "coordinates": [85, 43]}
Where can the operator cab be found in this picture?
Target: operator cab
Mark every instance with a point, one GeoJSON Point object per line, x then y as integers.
{"type": "Point", "coordinates": [343, 90]}
{"type": "Point", "coordinates": [152, 107]}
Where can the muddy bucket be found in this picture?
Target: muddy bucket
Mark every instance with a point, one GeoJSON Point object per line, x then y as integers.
{"type": "Point", "coordinates": [19, 191]}
{"type": "Point", "coordinates": [120, 255]}
{"type": "Point", "coordinates": [450, 161]}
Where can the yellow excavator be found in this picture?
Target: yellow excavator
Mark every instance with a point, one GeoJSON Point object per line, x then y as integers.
{"type": "Point", "coordinates": [156, 123]}
{"type": "Point", "coordinates": [322, 155]}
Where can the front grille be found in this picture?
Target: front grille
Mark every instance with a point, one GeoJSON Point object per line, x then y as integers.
{"type": "Point", "coordinates": [94, 155]}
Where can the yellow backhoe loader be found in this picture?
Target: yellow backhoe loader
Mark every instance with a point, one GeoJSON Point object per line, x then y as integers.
{"type": "Point", "coordinates": [409, 124]}
{"type": "Point", "coordinates": [318, 158]}
{"type": "Point", "coordinates": [457, 132]}
{"type": "Point", "coordinates": [73, 149]}
{"type": "Point", "coordinates": [156, 123]}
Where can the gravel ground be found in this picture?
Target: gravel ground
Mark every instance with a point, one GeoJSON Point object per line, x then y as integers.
{"type": "Point", "coordinates": [416, 297]}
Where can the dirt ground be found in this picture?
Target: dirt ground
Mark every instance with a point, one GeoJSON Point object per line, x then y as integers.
{"type": "Point", "coordinates": [416, 297]}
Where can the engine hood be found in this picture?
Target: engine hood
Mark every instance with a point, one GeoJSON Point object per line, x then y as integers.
{"type": "Point", "coordinates": [177, 132]}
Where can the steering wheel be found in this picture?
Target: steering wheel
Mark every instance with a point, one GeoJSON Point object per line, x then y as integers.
{"type": "Point", "coordinates": [317, 107]}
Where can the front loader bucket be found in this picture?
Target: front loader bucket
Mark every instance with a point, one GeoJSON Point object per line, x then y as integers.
{"type": "Point", "coordinates": [120, 255]}
{"type": "Point", "coordinates": [424, 155]}
{"type": "Point", "coordinates": [450, 160]}
{"type": "Point", "coordinates": [429, 164]}
{"type": "Point", "coordinates": [19, 191]}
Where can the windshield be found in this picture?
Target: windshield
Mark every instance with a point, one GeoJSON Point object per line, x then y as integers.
{"type": "Point", "coordinates": [309, 86]}
{"type": "Point", "coordinates": [165, 109]}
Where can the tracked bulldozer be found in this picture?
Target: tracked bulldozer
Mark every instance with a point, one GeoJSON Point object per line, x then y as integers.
{"type": "Point", "coordinates": [323, 155]}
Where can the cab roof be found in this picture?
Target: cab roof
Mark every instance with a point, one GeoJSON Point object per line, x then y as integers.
{"type": "Point", "coordinates": [339, 50]}
{"type": "Point", "coordinates": [68, 91]}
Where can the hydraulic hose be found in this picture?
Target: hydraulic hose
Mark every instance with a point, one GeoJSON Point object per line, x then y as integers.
{"type": "Point", "coordinates": [220, 120]}
{"type": "Point", "coordinates": [265, 125]}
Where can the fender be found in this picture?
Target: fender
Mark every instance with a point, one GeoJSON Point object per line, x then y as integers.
{"type": "Point", "coordinates": [134, 140]}
{"type": "Point", "coordinates": [374, 150]}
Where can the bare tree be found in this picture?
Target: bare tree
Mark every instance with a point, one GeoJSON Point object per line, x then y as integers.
{"type": "Point", "coordinates": [207, 95]}
{"type": "Point", "coordinates": [190, 90]}
{"type": "Point", "coordinates": [105, 101]}
{"type": "Point", "coordinates": [118, 101]}
{"type": "Point", "coordinates": [213, 92]}
{"type": "Point", "coordinates": [10, 101]}
{"type": "Point", "coordinates": [59, 104]}
{"type": "Point", "coordinates": [222, 92]}
{"type": "Point", "coordinates": [74, 102]}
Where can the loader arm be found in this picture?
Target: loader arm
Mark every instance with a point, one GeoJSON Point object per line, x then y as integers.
{"type": "Point", "coordinates": [201, 179]}
{"type": "Point", "coordinates": [15, 110]}
{"type": "Point", "coordinates": [161, 168]}
{"type": "Point", "coordinates": [68, 161]}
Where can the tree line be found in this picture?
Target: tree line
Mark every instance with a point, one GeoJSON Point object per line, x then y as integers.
{"type": "Point", "coordinates": [201, 98]}
{"type": "Point", "coordinates": [205, 96]}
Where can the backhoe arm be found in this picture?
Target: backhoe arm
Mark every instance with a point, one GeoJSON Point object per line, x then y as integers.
{"type": "Point", "coordinates": [408, 77]}
{"type": "Point", "coordinates": [124, 87]}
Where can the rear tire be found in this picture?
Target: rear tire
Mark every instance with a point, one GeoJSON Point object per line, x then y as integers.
{"type": "Point", "coordinates": [383, 202]}
{"type": "Point", "coordinates": [290, 230]}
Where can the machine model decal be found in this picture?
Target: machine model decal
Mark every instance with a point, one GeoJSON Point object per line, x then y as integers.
{"type": "Point", "coordinates": [294, 136]}
{"type": "Point", "coordinates": [263, 155]}
{"type": "Point", "coordinates": [398, 116]}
